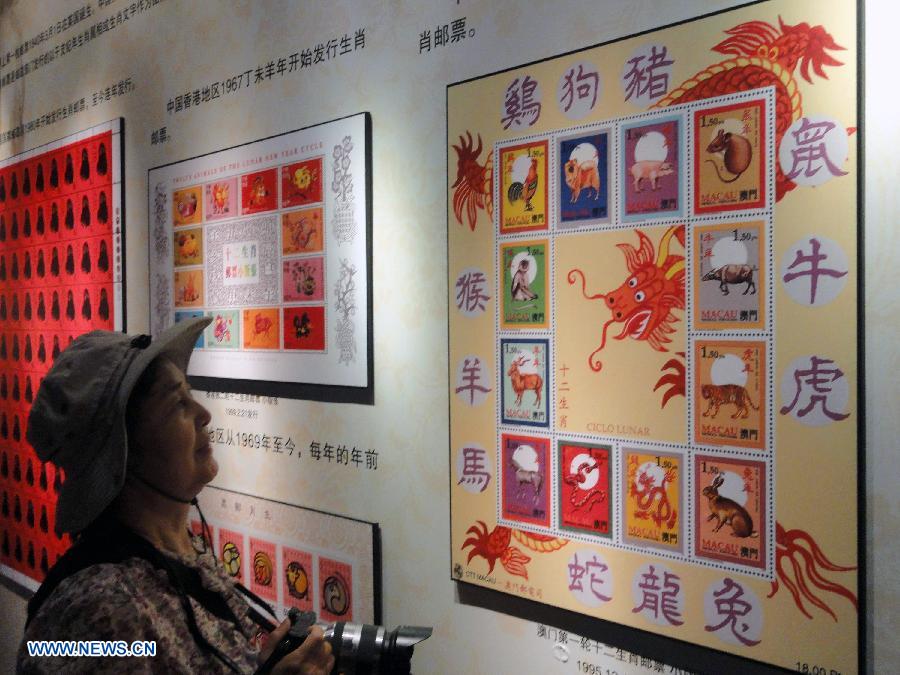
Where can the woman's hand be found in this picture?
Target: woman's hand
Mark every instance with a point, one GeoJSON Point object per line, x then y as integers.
{"type": "Point", "coordinates": [313, 657]}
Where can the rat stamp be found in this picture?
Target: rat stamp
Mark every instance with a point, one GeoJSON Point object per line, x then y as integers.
{"type": "Point", "coordinates": [729, 276]}
{"type": "Point", "coordinates": [523, 266]}
{"type": "Point", "coordinates": [583, 485]}
{"type": "Point", "coordinates": [335, 590]}
{"type": "Point", "coordinates": [651, 180]}
{"type": "Point", "coordinates": [730, 510]}
{"type": "Point", "coordinates": [653, 509]}
{"type": "Point", "coordinates": [583, 179]}
{"type": "Point", "coordinates": [729, 168]}
{"type": "Point", "coordinates": [525, 468]}
{"type": "Point", "coordinates": [730, 393]}
{"type": "Point", "coordinates": [524, 181]}
{"type": "Point", "coordinates": [297, 580]}
{"type": "Point", "coordinates": [525, 382]}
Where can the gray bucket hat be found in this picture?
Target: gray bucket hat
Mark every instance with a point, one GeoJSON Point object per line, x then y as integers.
{"type": "Point", "coordinates": [77, 420]}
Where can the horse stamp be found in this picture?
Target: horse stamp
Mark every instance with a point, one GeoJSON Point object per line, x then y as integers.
{"type": "Point", "coordinates": [729, 169]}
{"type": "Point", "coordinates": [730, 393]}
{"type": "Point", "coordinates": [651, 181]}
{"type": "Point", "coordinates": [523, 187]}
{"type": "Point", "coordinates": [653, 509]}
{"type": "Point", "coordinates": [523, 266]}
{"type": "Point", "coordinates": [584, 488]}
{"type": "Point", "coordinates": [729, 276]}
{"type": "Point", "coordinates": [525, 468]}
{"type": "Point", "coordinates": [525, 381]}
{"type": "Point", "coordinates": [583, 179]}
{"type": "Point", "coordinates": [730, 510]}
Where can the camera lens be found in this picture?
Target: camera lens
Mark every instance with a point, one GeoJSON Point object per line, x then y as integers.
{"type": "Point", "coordinates": [363, 648]}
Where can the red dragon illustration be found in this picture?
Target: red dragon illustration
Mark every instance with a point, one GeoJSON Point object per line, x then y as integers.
{"type": "Point", "coordinates": [764, 56]}
{"type": "Point", "coordinates": [647, 495]}
{"type": "Point", "coordinates": [645, 302]}
{"type": "Point", "coordinates": [473, 188]}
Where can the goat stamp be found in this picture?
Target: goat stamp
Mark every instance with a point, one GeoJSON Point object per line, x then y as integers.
{"type": "Point", "coordinates": [525, 381]}
{"type": "Point", "coordinates": [525, 468]}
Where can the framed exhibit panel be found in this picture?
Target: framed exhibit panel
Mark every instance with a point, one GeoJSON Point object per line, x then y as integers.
{"type": "Point", "coordinates": [654, 332]}
{"type": "Point", "coordinates": [292, 556]}
{"type": "Point", "coordinates": [61, 275]}
{"type": "Point", "coordinates": [272, 239]}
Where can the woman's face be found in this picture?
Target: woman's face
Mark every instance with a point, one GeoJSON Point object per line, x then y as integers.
{"type": "Point", "coordinates": [169, 441]}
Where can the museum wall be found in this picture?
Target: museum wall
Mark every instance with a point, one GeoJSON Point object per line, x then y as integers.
{"type": "Point", "coordinates": [177, 46]}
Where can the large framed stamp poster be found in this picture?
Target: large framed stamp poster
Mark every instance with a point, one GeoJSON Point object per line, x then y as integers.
{"type": "Point", "coordinates": [653, 271]}
{"type": "Point", "coordinates": [272, 239]}
{"type": "Point", "coordinates": [61, 275]}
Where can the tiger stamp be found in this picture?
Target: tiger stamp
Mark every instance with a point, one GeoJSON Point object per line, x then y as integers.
{"type": "Point", "coordinates": [523, 266]}
{"type": "Point", "coordinates": [584, 488]}
{"type": "Point", "coordinates": [653, 511]}
{"type": "Point", "coordinates": [729, 276]}
{"type": "Point", "coordinates": [525, 382]}
{"type": "Point", "coordinates": [651, 182]}
{"type": "Point", "coordinates": [730, 510]}
{"type": "Point", "coordinates": [730, 393]}
{"type": "Point", "coordinates": [524, 191]}
{"type": "Point", "coordinates": [583, 179]}
{"type": "Point", "coordinates": [525, 467]}
{"type": "Point", "coordinates": [729, 167]}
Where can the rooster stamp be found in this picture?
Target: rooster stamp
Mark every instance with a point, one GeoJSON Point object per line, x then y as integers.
{"type": "Point", "coordinates": [730, 393]}
{"type": "Point", "coordinates": [653, 509]}
{"type": "Point", "coordinates": [523, 269]}
{"type": "Point", "coordinates": [525, 382]}
{"type": "Point", "coordinates": [583, 179]}
{"type": "Point", "coordinates": [259, 191]}
{"type": "Point", "coordinates": [525, 471]}
{"type": "Point", "coordinates": [584, 488]}
{"type": "Point", "coordinates": [729, 170]}
{"type": "Point", "coordinates": [729, 276]}
{"type": "Point", "coordinates": [523, 187]}
{"type": "Point", "coordinates": [187, 206]}
{"type": "Point", "coordinates": [301, 183]}
{"type": "Point", "coordinates": [651, 181]}
{"type": "Point", "coordinates": [730, 510]}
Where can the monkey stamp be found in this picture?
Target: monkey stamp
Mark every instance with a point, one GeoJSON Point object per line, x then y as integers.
{"type": "Point", "coordinates": [730, 510]}
{"type": "Point", "coordinates": [651, 180]}
{"type": "Point", "coordinates": [335, 590]}
{"type": "Point", "coordinates": [525, 472]}
{"type": "Point", "coordinates": [584, 488]}
{"type": "Point", "coordinates": [297, 578]}
{"type": "Point", "coordinates": [653, 511]}
{"type": "Point", "coordinates": [730, 276]}
{"type": "Point", "coordinates": [525, 382]}
{"type": "Point", "coordinates": [583, 179]}
{"type": "Point", "coordinates": [523, 276]}
{"type": "Point", "coordinates": [730, 393]}
{"type": "Point", "coordinates": [523, 186]}
{"type": "Point", "coordinates": [259, 191]}
{"type": "Point", "coordinates": [729, 163]}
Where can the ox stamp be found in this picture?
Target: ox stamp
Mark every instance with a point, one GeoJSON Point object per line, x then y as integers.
{"type": "Point", "coordinates": [525, 382]}
{"type": "Point", "coordinates": [729, 276]}
{"type": "Point", "coordinates": [584, 483]}
{"type": "Point", "coordinates": [525, 467]}
{"type": "Point", "coordinates": [730, 510]}
{"type": "Point", "coordinates": [729, 168]}
{"type": "Point", "coordinates": [651, 180]}
{"type": "Point", "coordinates": [730, 393]}
{"type": "Point", "coordinates": [524, 180]}
{"type": "Point", "coordinates": [583, 179]}
{"type": "Point", "coordinates": [652, 506]}
{"type": "Point", "coordinates": [523, 269]}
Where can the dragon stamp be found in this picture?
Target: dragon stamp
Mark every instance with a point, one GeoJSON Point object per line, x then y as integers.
{"type": "Point", "coordinates": [730, 510]}
{"type": "Point", "coordinates": [729, 170]}
{"type": "Point", "coordinates": [523, 187]}
{"type": "Point", "coordinates": [652, 497]}
{"type": "Point", "coordinates": [523, 266]}
{"type": "Point", "coordinates": [651, 180]}
{"type": "Point", "coordinates": [584, 488]}
{"type": "Point", "coordinates": [730, 393]}
{"type": "Point", "coordinates": [729, 276]}
{"type": "Point", "coordinates": [525, 382]}
{"type": "Point", "coordinates": [525, 471]}
{"type": "Point", "coordinates": [301, 231]}
{"type": "Point", "coordinates": [583, 179]}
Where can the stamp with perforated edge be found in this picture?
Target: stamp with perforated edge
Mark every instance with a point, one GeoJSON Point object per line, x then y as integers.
{"type": "Point", "coordinates": [524, 187]}
{"type": "Point", "coordinates": [653, 506]}
{"type": "Point", "coordinates": [584, 486]}
{"type": "Point", "coordinates": [525, 478]}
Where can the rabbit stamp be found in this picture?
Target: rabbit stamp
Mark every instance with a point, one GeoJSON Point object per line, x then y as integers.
{"type": "Point", "coordinates": [725, 510]}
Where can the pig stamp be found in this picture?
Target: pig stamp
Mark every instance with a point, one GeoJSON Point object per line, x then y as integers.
{"type": "Point", "coordinates": [651, 171]}
{"type": "Point", "coordinates": [581, 176]}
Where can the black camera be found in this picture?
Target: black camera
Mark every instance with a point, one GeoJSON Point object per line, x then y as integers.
{"type": "Point", "coordinates": [358, 648]}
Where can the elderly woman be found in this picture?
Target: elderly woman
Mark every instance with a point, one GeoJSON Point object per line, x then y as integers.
{"type": "Point", "coordinates": [116, 414]}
